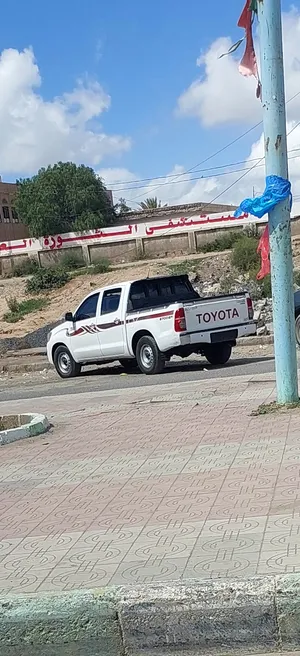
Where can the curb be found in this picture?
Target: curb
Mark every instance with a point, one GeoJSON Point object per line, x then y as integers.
{"type": "Point", "coordinates": [36, 425]}
{"type": "Point", "coordinates": [261, 614]}
{"type": "Point", "coordinates": [255, 340]}
{"type": "Point", "coordinates": [14, 367]}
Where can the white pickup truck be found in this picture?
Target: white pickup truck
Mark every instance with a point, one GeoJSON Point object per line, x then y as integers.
{"type": "Point", "coordinates": [144, 323]}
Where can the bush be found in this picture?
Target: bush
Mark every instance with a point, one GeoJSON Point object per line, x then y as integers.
{"type": "Point", "coordinates": [180, 268]}
{"type": "Point", "coordinates": [25, 268]}
{"type": "Point", "coordinates": [17, 311]}
{"type": "Point", "coordinates": [12, 303]}
{"type": "Point", "coordinates": [244, 256]}
{"type": "Point", "coordinates": [46, 279]}
{"type": "Point", "coordinates": [71, 261]}
{"type": "Point", "coordinates": [265, 287]}
{"type": "Point", "coordinates": [102, 266]}
{"type": "Point", "coordinates": [223, 243]}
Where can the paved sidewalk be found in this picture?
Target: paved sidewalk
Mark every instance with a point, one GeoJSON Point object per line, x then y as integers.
{"type": "Point", "coordinates": [125, 490]}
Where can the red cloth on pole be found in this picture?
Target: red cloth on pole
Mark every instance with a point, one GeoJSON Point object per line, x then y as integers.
{"type": "Point", "coordinates": [248, 65]}
{"type": "Point", "coordinates": [264, 250]}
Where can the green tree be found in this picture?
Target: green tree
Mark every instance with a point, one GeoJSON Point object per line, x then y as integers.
{"type": "Point", "coordinates": [63, 198]}
{"type": "Point", "coordinates": [151, 204]}
{"type": "Point", "coordinates": [121, 207]}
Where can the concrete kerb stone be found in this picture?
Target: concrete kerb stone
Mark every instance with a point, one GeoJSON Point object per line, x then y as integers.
{"type": "Point", "coordinates": [70, 624]}
{"type": "Point", "coordinates": [256, 615]}
{"type": "Point", "coordinates": [255, 340]}
{"type": "Point", "coordinates": [36, 424]}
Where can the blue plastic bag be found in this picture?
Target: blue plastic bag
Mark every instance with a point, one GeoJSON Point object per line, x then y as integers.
{"type": "Point", "coordinates": [277, 189]}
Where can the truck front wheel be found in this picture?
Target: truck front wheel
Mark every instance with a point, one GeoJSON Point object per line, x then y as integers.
{"type": "Point", "coordinates": [149, 358]}
{"type": "Point", "coordinates": [65, 365]}
{"type": "Point", "coordinates": [218, 353]}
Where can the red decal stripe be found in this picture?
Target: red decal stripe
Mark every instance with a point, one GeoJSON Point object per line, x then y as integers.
{"type": "Point", "coordinates": [157, 315]}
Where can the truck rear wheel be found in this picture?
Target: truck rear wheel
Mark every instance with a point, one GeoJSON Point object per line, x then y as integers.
{"type": "Point", "coordinates": [65, 365]}
{"type": "Point", "coordinates": [149, 358]}
{"type": "Point", "coordinates": [218, 353]}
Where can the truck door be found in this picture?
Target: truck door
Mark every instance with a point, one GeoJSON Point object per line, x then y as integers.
{"type": "Point", "coordinates": [112, 335]}
{"type": "Point", "coordinates": [84, 341]}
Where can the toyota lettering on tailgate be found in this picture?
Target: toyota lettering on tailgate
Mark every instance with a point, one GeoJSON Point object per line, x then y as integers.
{"type": "Point", "coordinates": [218, 315]}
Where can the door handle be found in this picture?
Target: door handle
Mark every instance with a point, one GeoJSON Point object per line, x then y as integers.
{"type": "Point", "coordinates": [117, 322]}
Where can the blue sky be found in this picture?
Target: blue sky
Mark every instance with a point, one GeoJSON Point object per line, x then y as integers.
{"type": "Point", "coordinates": [144, 56]}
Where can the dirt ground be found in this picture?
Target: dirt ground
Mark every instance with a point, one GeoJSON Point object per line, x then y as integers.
{"type": "Point", "coordinates": [68, 297]}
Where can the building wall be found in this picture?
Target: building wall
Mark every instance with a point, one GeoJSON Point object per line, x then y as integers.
{"type": "Point", "coordinates": [10, 227]}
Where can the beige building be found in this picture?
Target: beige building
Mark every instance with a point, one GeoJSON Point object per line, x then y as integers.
{"type": "Point", "coordinates": [173, 212]}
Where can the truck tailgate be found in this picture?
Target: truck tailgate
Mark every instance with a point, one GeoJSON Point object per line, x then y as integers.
{"type": "Point", "coordinates": [209, 314]}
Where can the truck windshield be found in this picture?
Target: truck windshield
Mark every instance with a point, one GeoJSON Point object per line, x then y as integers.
{"type": "Point", "coordinates": [160, 291]}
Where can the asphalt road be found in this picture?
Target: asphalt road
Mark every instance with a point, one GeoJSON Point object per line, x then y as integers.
{"type": "Point", "coordinates": [43, 384]}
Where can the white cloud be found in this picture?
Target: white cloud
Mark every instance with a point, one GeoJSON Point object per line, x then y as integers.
{"type": "Point", "coordinates": [221, 95]}
{"type": "Point", "coordinates": [36, 132]}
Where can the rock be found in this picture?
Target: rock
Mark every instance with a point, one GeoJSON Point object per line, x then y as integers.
{"type": "Point", "coordinates": [261, 330]}
{"type": "Point", "coordinates": [209, 289]}
{"type": "Point", "coordinates": [270, 328]}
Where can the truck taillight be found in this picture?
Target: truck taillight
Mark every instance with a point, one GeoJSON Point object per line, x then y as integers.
{"type": "Point", "coordinates": [250, 308]}
{"type": "Point", "coordinates": [179, 321]}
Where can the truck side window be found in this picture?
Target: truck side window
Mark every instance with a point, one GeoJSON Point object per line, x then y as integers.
{"type": "Point", "coordinates": [137, 297]}
{"type": "Point", "coordinates": [110, 301]}
{"type": "Point", "coordinates": [87, 309]}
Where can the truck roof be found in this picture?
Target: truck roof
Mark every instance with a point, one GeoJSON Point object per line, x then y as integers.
{"type": "Point", "coordinates": [130, 282]}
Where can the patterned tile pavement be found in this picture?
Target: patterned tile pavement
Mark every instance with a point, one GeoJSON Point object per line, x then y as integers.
{"type": "Point", "coordinates": [150, 485]}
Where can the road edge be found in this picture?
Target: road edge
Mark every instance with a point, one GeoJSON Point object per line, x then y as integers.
{"type": "Point", "coordinates": [256, 615]}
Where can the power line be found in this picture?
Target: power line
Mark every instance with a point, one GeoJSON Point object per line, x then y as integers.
{"type": "Point", "coordinates": [171, 175]}
{"type": "Point", "coordinates": [244, 174]}
{"type": "Point", "coordinates": [207, 177]}
{"type": "Point", "coordinates": [218, 152]}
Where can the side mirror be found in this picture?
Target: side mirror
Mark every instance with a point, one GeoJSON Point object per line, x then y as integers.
{"type": "Point", "coordinates": [69, 317]}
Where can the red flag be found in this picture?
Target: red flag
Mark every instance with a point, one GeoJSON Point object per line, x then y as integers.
{"type": "Point", "coordinates": [264, 249]}
{"type": "Point", "coordinates": [248, 65]}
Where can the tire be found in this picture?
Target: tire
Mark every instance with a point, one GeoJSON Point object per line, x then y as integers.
{"type": "Point", "coordinates": [297, 329]}
{"type": "Point", "coordinates": [129, 365]}
{"type": "Point", "coordinates": [149, 358]}
{"type": "Point", "coordinates": [65, 365]}
{"type": "Point", "coordinates": [218, 354]}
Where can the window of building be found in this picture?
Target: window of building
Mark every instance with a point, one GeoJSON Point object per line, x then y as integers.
{"type": "Point", "coordinates": [14, 214]}
{"type": "Point", "coordinates": [6, 213]}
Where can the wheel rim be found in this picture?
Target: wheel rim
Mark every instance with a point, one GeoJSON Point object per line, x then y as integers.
{"type": "Point", "coordinates": [64, 363]}
{"type": "Point", "coordinates": [297, 326]}
{"type": "Point", "coordinates": [147, 356]}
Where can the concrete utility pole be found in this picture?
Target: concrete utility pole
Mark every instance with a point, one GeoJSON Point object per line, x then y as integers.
{"type": "Point", "coordinates": [274, 119]}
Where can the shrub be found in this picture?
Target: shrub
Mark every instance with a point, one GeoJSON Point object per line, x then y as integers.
{"type": "Point", "coordinates": [244, 256]}
{"type": "Point", "coordinates": [223, 243]}
{"type": "Point", "coordinates": [266, 287]}
{"type": "Point", "coordinates": [25, 268]}
{"type": "Point", "coordinates": [18, 310]}
{"type": "Point", "coordinates": [12, 303]}
{"type": "Point", "coordinates": [102, 266]}
{"type": "Point", "coordinates": [180, 268]}
{"type": "Point", "coordinates": [71, 261]}
{"type": "Point", "coordinates": [46, 279]}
